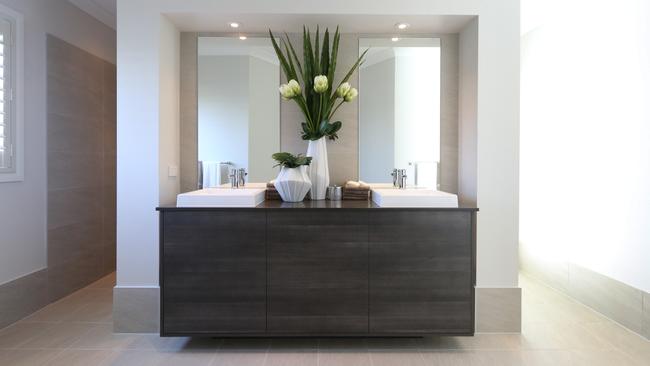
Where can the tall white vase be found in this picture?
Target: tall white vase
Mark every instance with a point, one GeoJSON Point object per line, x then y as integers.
{"type": "Point", "coordinates": [319, 172]}
{"type": "Point", "coordinates": [293, 184]}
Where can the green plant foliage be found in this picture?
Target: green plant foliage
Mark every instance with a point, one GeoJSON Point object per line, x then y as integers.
{"type": "Point", "coordinates": [319, 59]}
{"type": "Point", "coordinates": [289, 160]}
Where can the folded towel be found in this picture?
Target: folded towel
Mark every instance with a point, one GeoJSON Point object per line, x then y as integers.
{"type": "Point", "coordinates": [352, 185]}
{"type": "Point", "coordinates": [210, 174]}
{"type": "Point", "coordinates": [215, 173]}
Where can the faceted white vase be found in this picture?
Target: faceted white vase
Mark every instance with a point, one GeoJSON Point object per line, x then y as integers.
{"type": "Point", "coordinates": [319, 172]}
{"type": "Point", "coordinates": [293, 184]}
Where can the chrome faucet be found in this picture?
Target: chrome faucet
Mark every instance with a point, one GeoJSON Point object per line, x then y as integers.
{"type": "Point", "coordinates": [401, 178]}
{"type": "Point", "coordinates": [394, 175]}
{"type": "Point", "coordinates": [241, 177]}
{"type": "Point", "coordinates": [237, 178]}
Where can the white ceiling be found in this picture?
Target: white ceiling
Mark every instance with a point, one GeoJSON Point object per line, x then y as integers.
{"type": "Point", "coordinates": [103, 10]}
{"type": "Point", "coordinates": [291, 23]}
{"type": "Point", "coordinates": [224, 46]}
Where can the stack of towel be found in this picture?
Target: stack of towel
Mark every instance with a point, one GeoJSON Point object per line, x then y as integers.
{"type": "Point", "coordinates": [356, 191]}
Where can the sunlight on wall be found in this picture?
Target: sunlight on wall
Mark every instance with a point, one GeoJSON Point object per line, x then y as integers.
{"type": "Point", "coordinates": [417, 111]}
{"type": "Point", "coordinates": [585, 137]}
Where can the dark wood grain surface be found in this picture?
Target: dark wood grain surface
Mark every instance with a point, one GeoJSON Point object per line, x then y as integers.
{"type": "Point", "coordinates": [214, 272]}
{"type": "Point", "coordinates": [318, 272]}
{"type": "Point", "coordinates": [420, 272]}
{"type": "Point", "coordinates": [325, 271]}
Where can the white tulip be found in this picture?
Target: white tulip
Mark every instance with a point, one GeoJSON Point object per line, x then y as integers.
{"type": "Point", "coordinates": [342, 90]}
{"type": "Point", "coordinates": [350, 95]}
{"type": "Point", "coordinates": [286, 92]}
{"type": "Point", "coordinates": [320, 84]}
{"type": "Point", "coordinates": [295, 87]}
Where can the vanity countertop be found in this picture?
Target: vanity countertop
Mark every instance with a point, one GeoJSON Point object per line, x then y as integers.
{"type": "Point", "coordinates": [323, 204]}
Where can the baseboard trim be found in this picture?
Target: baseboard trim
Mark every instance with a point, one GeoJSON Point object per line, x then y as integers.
{"type": "Point", "coordinates": [618, 301]}
{"type": "Point", "coordinates": [28, 294]}
{"type": "Point", "coordinates": [136, 309]}
{"type": "Point", "coordinates": [498, 310]}
{"type": "Point", "coordinates": [23, 296]}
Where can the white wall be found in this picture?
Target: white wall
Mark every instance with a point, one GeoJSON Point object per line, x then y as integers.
{"type": "Point", "coordinates": [23, 204]}
{"type": "Point", "coordinates": [497, 121]}
{"type": "Point", "coordinates": [585, 134]}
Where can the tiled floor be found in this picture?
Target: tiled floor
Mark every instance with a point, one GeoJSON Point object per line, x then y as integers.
{"type": "Point", "coordinates": [556, 331]}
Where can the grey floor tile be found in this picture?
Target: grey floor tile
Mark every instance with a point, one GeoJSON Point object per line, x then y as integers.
{"type": "Point", "coordinates": [21, 357]}
{"type": "Point", "coordinates": [101, 336]}
{"type": "Point", "coordinates": [58, 335]}
{"type": "Point", "coordinates": [291, 358]}
{"type": "Point", "coordinates": [19, 333]}
{"type": "Point", "coordinates": [75, 357]}
{"type": "Point", "coordinates": [344, 358]}
{"type": "Point", "coordinates": [239, 358]}
{"type": "Point", "coordinates": [396, 357]}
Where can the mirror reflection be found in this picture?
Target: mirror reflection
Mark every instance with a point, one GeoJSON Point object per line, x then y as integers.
{"type": "Point", "coordinates": [238, 109]}
{"type": "Point", "coordinates": [399, 110]}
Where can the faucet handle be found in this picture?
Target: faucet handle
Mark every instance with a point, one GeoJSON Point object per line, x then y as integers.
{"type": "Point", "coordinates": [241, 178]}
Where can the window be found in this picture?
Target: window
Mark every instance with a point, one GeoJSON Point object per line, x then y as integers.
{"type": "Point", "coordinates": [10, 117]}
{"type": "Point", "coordinates": [7, 145]}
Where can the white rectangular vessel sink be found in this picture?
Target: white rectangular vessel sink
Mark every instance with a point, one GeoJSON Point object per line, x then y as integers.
{"type": "Point", "coordinates": [222, 197]}
{"type": "Point", "coordinates": [413, 197]}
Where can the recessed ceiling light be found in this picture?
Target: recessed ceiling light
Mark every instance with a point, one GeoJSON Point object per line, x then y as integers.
{"type": "Point", "coordinates": [234, 25]}
{"type": "Point", "coordinates": [402, 25]}
{"type": "Point", "coordinates": [243, 38]}
{"type": "Point", "coordinates": [394, 39]}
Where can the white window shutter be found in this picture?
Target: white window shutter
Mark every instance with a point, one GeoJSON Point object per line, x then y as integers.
{"type": "Point", "coordinates": [6, 94]}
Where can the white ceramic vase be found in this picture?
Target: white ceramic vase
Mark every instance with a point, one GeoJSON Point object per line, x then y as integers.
{"type": "Point", "coordinates": [293, 184]}
{"type": "Point", "coordinates": [319, 172]}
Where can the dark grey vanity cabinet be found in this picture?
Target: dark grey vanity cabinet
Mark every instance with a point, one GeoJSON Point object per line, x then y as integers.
{"type": "Point", "coordinates": [213, 272]}
{"type": "Point", "coordinates": [421, 272]}
{"type": "Point", "coordinates": [317, 269]}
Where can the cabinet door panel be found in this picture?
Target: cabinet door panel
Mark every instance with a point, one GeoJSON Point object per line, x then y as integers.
{"type": "Point", "coordinates": [318, 272]}
{"type": "Point", "coordinates": [421, 272]}
{"type": "Point", "coordinates": [213, 272]}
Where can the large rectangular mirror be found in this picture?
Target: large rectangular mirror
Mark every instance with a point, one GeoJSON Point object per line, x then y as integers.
{"type": "Point", "coordinates": [399, 110]}
{"type": "Point", "coordinates": [238, 109]}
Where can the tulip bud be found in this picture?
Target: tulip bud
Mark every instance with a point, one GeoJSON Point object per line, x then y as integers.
{"type": "Point", "coordinates": [286, 92]}
{"type": "Point", "coordinates": [350, 95]}
{"type": "Point", "coordinates": [320, 84]}
{"type": "Point", "coordinates": [295, 87]}
{"type": "Point", "coordinates": [343, 90]}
